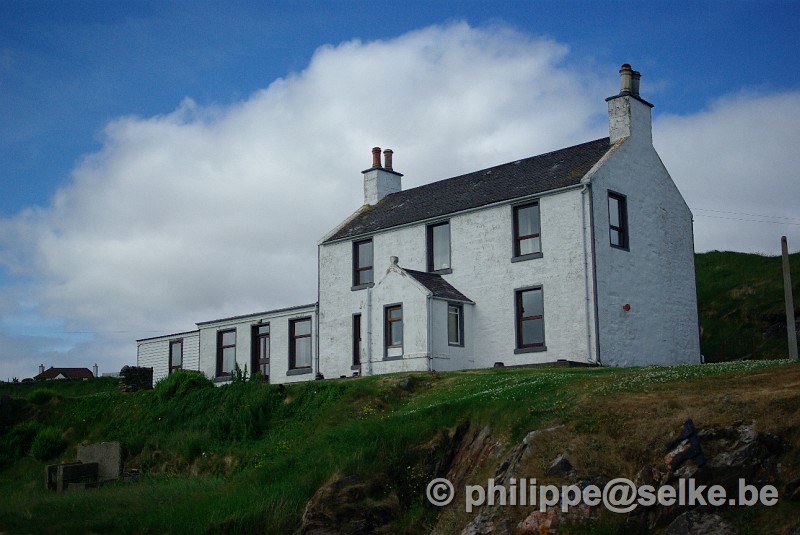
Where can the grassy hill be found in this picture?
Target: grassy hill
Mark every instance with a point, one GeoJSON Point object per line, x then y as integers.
{"type": "Point", "coordinates": [741, 304]}
{"type": "Point", "coordinates": [246, 458]}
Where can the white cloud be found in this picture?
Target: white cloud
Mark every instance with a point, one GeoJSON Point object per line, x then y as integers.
{"type": "Point", "coordinates": [208, 212]}
{"type": "Point", "coordinates": [736, 165]}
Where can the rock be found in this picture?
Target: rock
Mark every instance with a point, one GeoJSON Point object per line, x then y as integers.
{"type": "Point", "coordinates": [539, 521]}
{"type": "Point", "coordinates": [792, 492]}
{"type": "Point", "coordinates": [560, 467]}
{"type": "Point", "coordinates": [699, 523]}
{"type": "Point", "coordinates": [677, 455]}
{"type": "Point", "coordinates": [349, 505]}
{"type": "Point", "coordinates": [485, 524]}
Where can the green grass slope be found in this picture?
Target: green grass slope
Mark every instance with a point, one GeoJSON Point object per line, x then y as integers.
{"type": "Point", "coordinates": [741, 304]}
{"type": "Point", "coordinates": [246, 458]}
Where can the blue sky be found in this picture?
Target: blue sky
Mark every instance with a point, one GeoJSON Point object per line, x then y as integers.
{"type": "Point", "coordinates": [129, 132]}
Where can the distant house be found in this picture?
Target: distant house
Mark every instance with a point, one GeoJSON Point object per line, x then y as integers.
{"type": "Point", "coordinates": [583, 254]}
{"type": "Point", "coordinates": [64, 373]}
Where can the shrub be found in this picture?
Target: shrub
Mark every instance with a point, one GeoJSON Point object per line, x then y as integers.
{"type": "Point", "coordinates": [47, 444]}
{"type": "Point", "coordinates": [17, 442]}
{"type": "Point", "coordinates": [181, 382]}
{"type": "Point", "coordinates": [42, 395]}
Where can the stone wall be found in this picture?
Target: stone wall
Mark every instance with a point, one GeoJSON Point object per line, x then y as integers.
{"type": "Point", "coordinates": [133, 378]}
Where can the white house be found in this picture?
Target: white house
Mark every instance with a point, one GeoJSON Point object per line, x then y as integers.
{"type": "Point", "coordinates": [584, 254]}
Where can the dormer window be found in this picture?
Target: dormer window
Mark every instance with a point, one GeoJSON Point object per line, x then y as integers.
{"type": "Point", "coordinates": [439, 247]}
{"type": "Point", "coordinates": [362, 264]}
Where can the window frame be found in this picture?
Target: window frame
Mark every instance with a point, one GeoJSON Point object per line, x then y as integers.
{"type": "Point", "coordinates": [221, 351]}
{"type": "Point", "coordinates": [519, 320]}
{"type": "Point", "coordinates": [622, 227]}
{"type": "Point", "coordinates": [516, 239]}
{"type": "Point", "coordinates": [357, 341]}
{"type": "Point", "coordinates": [459, 327]}
{"type": "Point", "coordinates": [172, 343]}
{"type": "Point", "coordinates": [255, 349]}
{"type": "Point", "coordinates": [387, 326]}
{"type": "Point", "coordinates": [430, 249]}
{"type": "Point", "coordinates": [358, 282]}
{"type": "Point", "coordinates": [294, 369]}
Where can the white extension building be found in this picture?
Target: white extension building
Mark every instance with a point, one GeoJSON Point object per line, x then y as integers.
{"type": "Point", "coordinates": [584, 254]}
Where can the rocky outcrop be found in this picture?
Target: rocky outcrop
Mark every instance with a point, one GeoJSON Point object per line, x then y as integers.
{"type": "Point", "coordinates": [350, 505]}
{"type": "Point", "coordinates": [711, 456]}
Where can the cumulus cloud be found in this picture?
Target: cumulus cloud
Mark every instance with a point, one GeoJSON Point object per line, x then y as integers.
{"type": "Point", "coordinates": [736, 165]}
{"type": "Point", "coordinates": [206, 212]}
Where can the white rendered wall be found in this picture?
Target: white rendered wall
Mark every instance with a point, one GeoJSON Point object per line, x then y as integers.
{"type": "Point", "coordinates": [481, 251]}
{"type": "Point", "coordinates": [446, 357]}
{"type": "Point", "coordinates": [154, 353]}
{"type": "Point", "coordinates": [279, 343]}
{"type": "Point", "coordinates": [396, 287]}
{"type": "Point", "coordinates": [656, 276]}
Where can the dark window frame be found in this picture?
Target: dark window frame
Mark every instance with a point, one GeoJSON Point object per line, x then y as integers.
{"type": "Point", "coordinates": [255, 349]}
{"type": "Point", "coordinates": [517, 239]}
{"type": "Point", "coordinates": [460, 326]}
{"type": "Point", "coordinates": [387, 326]}
{"type": "Point", "coordinates": [356, 362]}
{"type": "Point", "coordinates": [293, 338]}
{"type": "Point", "coordinates": [172, 367]}
{"type": "Point", "coordinates": [429, 245]}
{"type": "Point", "coordinates": [519, 321]}
{"type": "Point", "coordinates": [359, 281]}
{"type": "Point", "coordinates": [221, 350]}
{"type": "Point", "coordinates": [621, 226]}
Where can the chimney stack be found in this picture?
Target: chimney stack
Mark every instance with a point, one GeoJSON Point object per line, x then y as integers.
{"type": "Point", "coordinates": [41, 369]}
{"type": "Point", "coordinates": [94, 369]}
{"type": "Point", "coordinates": [628, 113]}
{"type": "Point", "coordinates": [380, 180]}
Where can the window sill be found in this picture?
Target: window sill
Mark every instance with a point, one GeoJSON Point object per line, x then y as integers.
{"type": "Point", "coordinates": [298, 371]}
{"type": "Point", "coordinates": [454, 345]}
{"type": "Point", "coordinates": [620, 247]}
{"type": "Point", "coordinates": [525, 257]}
{"type": "Point", "coordinates": [445, 271]}
{"type": "Point", "coordinates": [399, 357]}
{"type": "Point", "coordinates": [223, 379]}
{"type": "Point", "coordinates": [355, 367]}
{"type": "Point", "coordinates": [539, 349]}
{"type": "Point", "coordinates": [362, 286]}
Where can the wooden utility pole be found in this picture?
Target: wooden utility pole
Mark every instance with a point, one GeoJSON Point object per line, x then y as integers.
{"type": "Point", "coordinates": [787, 290]}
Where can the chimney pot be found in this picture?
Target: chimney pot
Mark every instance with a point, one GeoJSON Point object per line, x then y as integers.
{"type": "Point", "coordinates": [387, 159]}
{"type": "Point", "coordinates": [635, 76]}
{"type": "Point", "coordinates": [376, 157]}
{"type": "Point", "coordinates": [625, 75]}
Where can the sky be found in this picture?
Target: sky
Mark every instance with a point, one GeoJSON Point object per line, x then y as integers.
{"type": "Point", "coordinates": [165, 163]}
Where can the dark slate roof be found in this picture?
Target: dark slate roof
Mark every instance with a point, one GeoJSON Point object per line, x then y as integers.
{"type": "Point", "coordinates": [69, 373]}
{"type": "Point", "coordinates": [437, 285]}
{"type": "Point", "coordinates": [506, 182]}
